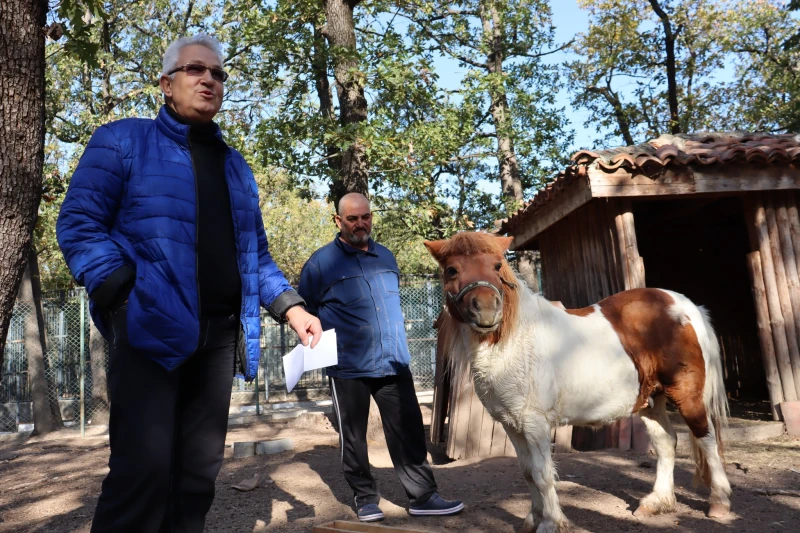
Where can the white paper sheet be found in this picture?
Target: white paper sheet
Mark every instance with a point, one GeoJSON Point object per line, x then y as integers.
{"type": "Point", "coordinates": [303, 358]}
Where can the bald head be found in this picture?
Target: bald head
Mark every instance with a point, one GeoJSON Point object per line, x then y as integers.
{"type": "Point", "coordinates": [353, 200]}
{"type": "Point", "coordinates": [354, 220]}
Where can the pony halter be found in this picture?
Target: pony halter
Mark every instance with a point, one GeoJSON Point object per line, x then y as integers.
{"type": "Point", "coordinates": [456, 299]}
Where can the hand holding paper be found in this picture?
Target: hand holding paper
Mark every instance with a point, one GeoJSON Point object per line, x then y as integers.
{"type": "Point", "coordinates": [304, 358]}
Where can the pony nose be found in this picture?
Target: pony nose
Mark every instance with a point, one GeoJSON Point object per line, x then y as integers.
{"type": "Point", "coordinates": [478, 306]}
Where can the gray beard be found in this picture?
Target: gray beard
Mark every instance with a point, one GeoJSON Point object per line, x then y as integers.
{"type": "Point", "coordinates": [354, 240]}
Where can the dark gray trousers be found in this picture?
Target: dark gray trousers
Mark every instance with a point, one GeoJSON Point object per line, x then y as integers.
{"type": "Point", "coordinates": [167, 433]}
{"type": "Point", "coordinates": [402, 425]}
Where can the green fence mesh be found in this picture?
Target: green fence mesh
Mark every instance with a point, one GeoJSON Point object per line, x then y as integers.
{"type": "Point", "coordinates": [70, 339]}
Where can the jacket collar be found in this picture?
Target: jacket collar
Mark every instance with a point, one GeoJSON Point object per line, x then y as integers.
{"type": "Point", "coordinates": [177, 130]}
{"type": "Point", "coordinates": [351, 250]}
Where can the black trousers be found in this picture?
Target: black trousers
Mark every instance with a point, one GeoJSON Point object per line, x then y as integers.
{"type": "Point", "coordinates": [402, 425]}
{"type": "Point", "coordinates": [167, 433]}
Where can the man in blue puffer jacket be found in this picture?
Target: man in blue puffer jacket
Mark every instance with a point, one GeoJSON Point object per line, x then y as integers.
{"type": "Point", "coordinates": [162, 225]}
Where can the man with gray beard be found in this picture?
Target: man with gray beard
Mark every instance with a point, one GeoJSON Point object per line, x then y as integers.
{"type": "Point", "coordinates": [353, 285]}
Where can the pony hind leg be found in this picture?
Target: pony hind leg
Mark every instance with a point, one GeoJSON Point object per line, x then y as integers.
{"type": "Point", "coordinates": [711, 471]}
{"type": "Point", "coordinates": [525, 460]}
{"type": "Point", "coordinates": [706, 445]}
{"type": "Point", "coordinates": [664, 439]}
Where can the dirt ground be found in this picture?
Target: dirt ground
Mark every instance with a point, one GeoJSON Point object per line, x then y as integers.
{"type": "Point", "coordinates": [52, 485]}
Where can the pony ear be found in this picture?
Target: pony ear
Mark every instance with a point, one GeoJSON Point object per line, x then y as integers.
{"type": "Point", "coordinates": [505, 242]}
{"type": "Point", "coordinates": [435, 248]}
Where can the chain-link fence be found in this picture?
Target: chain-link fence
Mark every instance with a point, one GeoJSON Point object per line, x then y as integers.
{"type": "Point", "coordinates": [76, 357]}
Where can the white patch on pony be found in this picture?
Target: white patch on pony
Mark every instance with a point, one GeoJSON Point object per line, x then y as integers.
{"type": "Point", "coordinates": [581, 378]}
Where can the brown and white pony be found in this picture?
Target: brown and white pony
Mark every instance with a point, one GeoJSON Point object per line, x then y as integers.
{"type": "Point", "coordinates": [536, 365]}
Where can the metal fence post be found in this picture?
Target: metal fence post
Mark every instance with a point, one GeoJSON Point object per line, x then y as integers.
{"type": "Point", "coordinates": [258, 407]}
{"type": "Point", "coordinates": [83, 362]}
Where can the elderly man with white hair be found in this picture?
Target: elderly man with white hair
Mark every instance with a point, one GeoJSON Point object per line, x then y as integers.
{"type": "Point", "coordinates": [162, 225]}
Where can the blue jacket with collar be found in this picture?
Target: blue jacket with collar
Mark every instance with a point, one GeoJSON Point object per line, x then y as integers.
{"type": "Point", "coordinates": [132, 203]}
{"type": "Point", "coordinates": [358, 293]}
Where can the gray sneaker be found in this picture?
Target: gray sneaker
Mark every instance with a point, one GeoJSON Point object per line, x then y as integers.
{"type": "Point", "coordinates": [370, 512]}
{"type": "Point", "coordinates": [436, 506]}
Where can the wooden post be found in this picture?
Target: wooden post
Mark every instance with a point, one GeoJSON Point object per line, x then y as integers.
{"type": "Point", "coordinates": [759, 236]}
{"type": "Point", "coordinates": [441, 389]}
{"type": "Point", "coordinates": [783, 291]}
{"type": "Point", "coordinates": [792, 277]}
{"type": "Point", "coordinates": [794, 224]}
{"type": "Point", "coordinates": [765, 333]}
{"type": "Point", "coordinates": [622, 250]}
{"type": "Point", "coordinates": [632, 264]}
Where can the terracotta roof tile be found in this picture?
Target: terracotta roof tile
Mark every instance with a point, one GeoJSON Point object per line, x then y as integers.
{"type": "Point", "coordinates": [696, 149]}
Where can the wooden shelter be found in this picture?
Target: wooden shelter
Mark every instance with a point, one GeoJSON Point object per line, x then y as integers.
{"type": "Point", "coordinates": [713, 216]}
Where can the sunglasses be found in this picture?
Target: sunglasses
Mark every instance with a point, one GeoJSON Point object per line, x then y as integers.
{"type": "Point", "coordinates": [195, 69]}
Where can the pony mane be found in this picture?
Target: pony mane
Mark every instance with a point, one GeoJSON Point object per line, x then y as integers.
{"type": "Point", "coordinates": [451, 331]}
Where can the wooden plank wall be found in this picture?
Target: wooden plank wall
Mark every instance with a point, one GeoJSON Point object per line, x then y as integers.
{"type": "Point", "coordinates": [472, 432]}
{"type": "Point", "coordinates": [774, 228]}
{"type": "Point", "coordinates": [587, 256]}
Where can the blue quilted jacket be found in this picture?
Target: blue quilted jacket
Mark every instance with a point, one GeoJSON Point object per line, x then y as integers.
{"type": "Point", "coordinates": [132, 201]}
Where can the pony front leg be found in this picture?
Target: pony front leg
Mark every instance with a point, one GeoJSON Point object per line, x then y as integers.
{"type": "Point", "coordinates": [537, 434]}
{"type": "Point", "coordinates": [525, 460]}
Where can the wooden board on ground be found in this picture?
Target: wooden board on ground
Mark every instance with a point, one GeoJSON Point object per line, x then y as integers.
{"type": "Point", "coordinates": [343, 526]}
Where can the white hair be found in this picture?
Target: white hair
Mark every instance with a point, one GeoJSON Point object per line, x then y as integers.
{"type": "Point", "coordinates": [174, 50]}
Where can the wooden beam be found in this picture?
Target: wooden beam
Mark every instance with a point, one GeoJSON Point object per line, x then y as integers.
{"type": "Point", "coordinates": [346, 526]}
{"type": "Point", "coordinates": [693, 181]}
{"type": "Point", "coordinates": [653, 189]}
{"type": "Point", "coordinates": [562, 205]}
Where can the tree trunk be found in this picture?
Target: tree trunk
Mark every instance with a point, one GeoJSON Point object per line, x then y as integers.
{"type": "Point", "coordinates": [510, 182]}
{"type": "Point", "coordinates": [46, 413]}
{"type": "Point", "coordinates": [21, 142]}
{"type": "Point", "coordinates": [672, 84]}
{"type": "Point", "coordinates": [319, 66]}
{"type": "Point", "coordinates": [97, 358]}
{"type": "Point", "coordinates": [341, 34]}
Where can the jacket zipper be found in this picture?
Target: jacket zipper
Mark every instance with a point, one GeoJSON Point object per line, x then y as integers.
{"type": "Point", "coordinates": [196, 242]}
{"type": "Point", "coordinates": [239, 266]}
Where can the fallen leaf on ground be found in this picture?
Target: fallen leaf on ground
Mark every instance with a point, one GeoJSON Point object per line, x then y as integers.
{"type": "Point", "coordinates": [247, 484]}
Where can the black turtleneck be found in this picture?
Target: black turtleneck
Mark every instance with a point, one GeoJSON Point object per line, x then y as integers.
{"type": "Point", "coordinates": [218, 277]}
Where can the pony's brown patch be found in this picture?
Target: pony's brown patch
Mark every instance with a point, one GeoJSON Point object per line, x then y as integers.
{"type": "Point", "coordinates": [472, 244]}
{"type": "Point", "coordinates": [667, 354]}
{"type": "Point", "coordinates": [583, 311]}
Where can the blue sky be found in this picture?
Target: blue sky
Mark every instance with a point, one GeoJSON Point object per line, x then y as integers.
{"type": "Point", "coordinates": [570, 20]}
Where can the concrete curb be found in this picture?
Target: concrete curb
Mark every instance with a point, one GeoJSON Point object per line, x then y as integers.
{"type": "Point", "coordinates": [245, 449]}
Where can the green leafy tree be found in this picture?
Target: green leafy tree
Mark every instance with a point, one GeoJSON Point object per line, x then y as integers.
{"type": "Point", "coordinates": [509, 90]}
{"type": "Point", "coordinates": [412, 138]}
{"type": "Point", "coordinates": [763, 36]}
{"type": "Point", "coordinates": [649, 67]}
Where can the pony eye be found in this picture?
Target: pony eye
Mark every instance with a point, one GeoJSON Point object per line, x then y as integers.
{"type": "Point", "coordinates": [498, 266]}
{"type": "Point", "coordinates": [451, 271]}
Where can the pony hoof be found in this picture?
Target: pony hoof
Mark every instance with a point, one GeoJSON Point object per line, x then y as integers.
{"type": "Point", "coordinates": [644, 511]}
{"type": "Point", "coordinates": [529, 525]}
{"type": "Point", "coordinates": [719, 510]}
